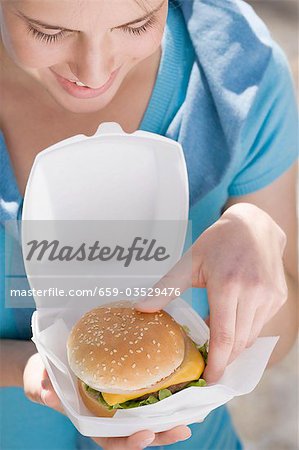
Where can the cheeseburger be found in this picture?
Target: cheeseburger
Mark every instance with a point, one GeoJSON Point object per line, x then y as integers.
{"type": "Point", "coordinates": [124, 358]}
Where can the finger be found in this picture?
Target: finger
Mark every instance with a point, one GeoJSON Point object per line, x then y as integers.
{"type": "Point", "coordinates": [49, 397]}
{"type": "Point", "coordinates": [174, 283]}
{"type": "Point", "coordinates": [223, 309]}
{"type": "Point", "coordinates": [244, 323]}
{"type": "Point", "coordinates": [137, 441]}
{"type": "Point", "coordinates": [207, 320]}
{"type": "Point", "coordinates": [177, 434]}
{"type": "Point", "coordinates": [257, 325]}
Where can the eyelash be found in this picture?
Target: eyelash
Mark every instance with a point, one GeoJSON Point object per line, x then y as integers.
{"type": "Point", "coordinates": [46, 38]}
{"type": "Point", "coordinates": [140, 30]}
{"type": "Point", "coordinates": [53, 38]}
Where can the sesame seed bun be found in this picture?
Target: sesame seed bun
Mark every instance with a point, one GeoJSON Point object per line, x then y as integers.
{"type": "Point", "coordinates": [119, 349]}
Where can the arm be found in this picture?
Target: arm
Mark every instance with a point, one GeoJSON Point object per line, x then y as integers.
{"type": "Point", "coordinates": [239, 260]}
{"type": "Point", "coordinates": [14, 356]}
{"type": "Point", "coordinates": [279, 201]}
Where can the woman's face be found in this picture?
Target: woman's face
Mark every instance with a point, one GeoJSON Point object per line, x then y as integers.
{"type": "Point", "coordinates": [94, 42]}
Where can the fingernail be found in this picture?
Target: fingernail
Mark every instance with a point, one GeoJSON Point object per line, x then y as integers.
{"type": "Point", "coordinates": [45, 384]}
{"type": "Point", "coordinates": [186, 437]}
{"type": "Point", "coordinates": [148, 305]}
{"type": "Point", "coordinates": [147, 442]}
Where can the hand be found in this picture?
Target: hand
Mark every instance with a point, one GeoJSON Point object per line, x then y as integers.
{"type": "Point", "coordinates": [239, 260]}
{"type": "Point", "coordinates": [38, 388]}
{"type": "Point", "coordinates": [145, 438]}
{"type": "Point", "coordinates": [37, 385]}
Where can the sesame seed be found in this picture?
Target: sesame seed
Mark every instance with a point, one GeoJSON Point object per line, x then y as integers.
{"type": "Point", "coordinates": [112, 370]}
{"type": "Point", "coordinates": [131, 351]}
{"type": "Point", "coordinates": [113, 362]}
{"type": "Point", "coordinates": [133, 366]}
{"type": "Point", "coordinates": [148, 356]}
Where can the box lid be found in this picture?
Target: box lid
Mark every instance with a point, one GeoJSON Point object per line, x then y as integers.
{"type": "Point", "coordinates": [113, 177]}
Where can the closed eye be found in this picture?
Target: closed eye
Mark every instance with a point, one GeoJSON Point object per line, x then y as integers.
{"type": "Point", "coordinates": [137, 31]}
{"type": "Point", "coordinates": [46, 38]}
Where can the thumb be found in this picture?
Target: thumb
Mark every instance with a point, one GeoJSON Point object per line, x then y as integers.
{"type": "Point", "coordinates": [169, 287]}
{"type": "Point", "coordinates": [48, 395]}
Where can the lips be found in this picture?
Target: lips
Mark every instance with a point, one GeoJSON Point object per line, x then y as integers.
{"type": "Point", "coordinates": [82, 91]}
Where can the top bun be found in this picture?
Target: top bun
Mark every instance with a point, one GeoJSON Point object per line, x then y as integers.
{"type": "Point", "coordinates": [119, 349]}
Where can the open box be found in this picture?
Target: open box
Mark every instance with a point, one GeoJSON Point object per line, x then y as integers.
{"type": "Point", "coordinates": [114, 176]}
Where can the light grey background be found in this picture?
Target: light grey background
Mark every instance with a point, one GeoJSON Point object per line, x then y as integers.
{"type": "Point", "coordinates": [267, 419]}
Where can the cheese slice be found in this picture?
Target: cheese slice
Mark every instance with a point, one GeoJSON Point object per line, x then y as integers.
{"type": "Point", "coordinates": [191, 368]}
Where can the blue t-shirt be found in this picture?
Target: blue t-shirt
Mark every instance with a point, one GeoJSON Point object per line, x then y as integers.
{"type": "Point", "coordinates": [264, 148]}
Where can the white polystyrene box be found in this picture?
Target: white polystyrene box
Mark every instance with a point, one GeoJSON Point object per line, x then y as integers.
{"type": "Point", "coordinates": [113, 175]}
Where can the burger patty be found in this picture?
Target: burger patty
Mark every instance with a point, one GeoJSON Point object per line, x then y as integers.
{"type": "Point", "coordinates": [174, 388]}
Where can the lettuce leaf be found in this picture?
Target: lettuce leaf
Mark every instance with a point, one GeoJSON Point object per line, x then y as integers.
{"type": "Point", "coordinates": [164, 393]}
{"type": "Point", "coordinates": [135, 403]}
{"type": "Point", "coordinates": [199, 383]}
{"type": "Point", "coordinates": [204, 349]}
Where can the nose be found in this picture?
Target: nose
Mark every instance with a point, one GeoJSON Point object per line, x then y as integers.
{"type": "Point", "coordinates": [92, 62]}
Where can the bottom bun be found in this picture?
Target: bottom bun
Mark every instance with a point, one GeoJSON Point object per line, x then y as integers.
{"type": "Point", "coordinates": [92, 404]}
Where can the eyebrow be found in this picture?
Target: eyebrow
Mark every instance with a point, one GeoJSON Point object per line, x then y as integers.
{"type": "Point", "coordinates": [141, 19]}
{"type": "Point", "coordinates": [57, 27]}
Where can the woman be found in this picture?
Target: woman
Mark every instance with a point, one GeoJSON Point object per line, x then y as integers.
{"type": "Point", "coordinates": [221, 87]}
